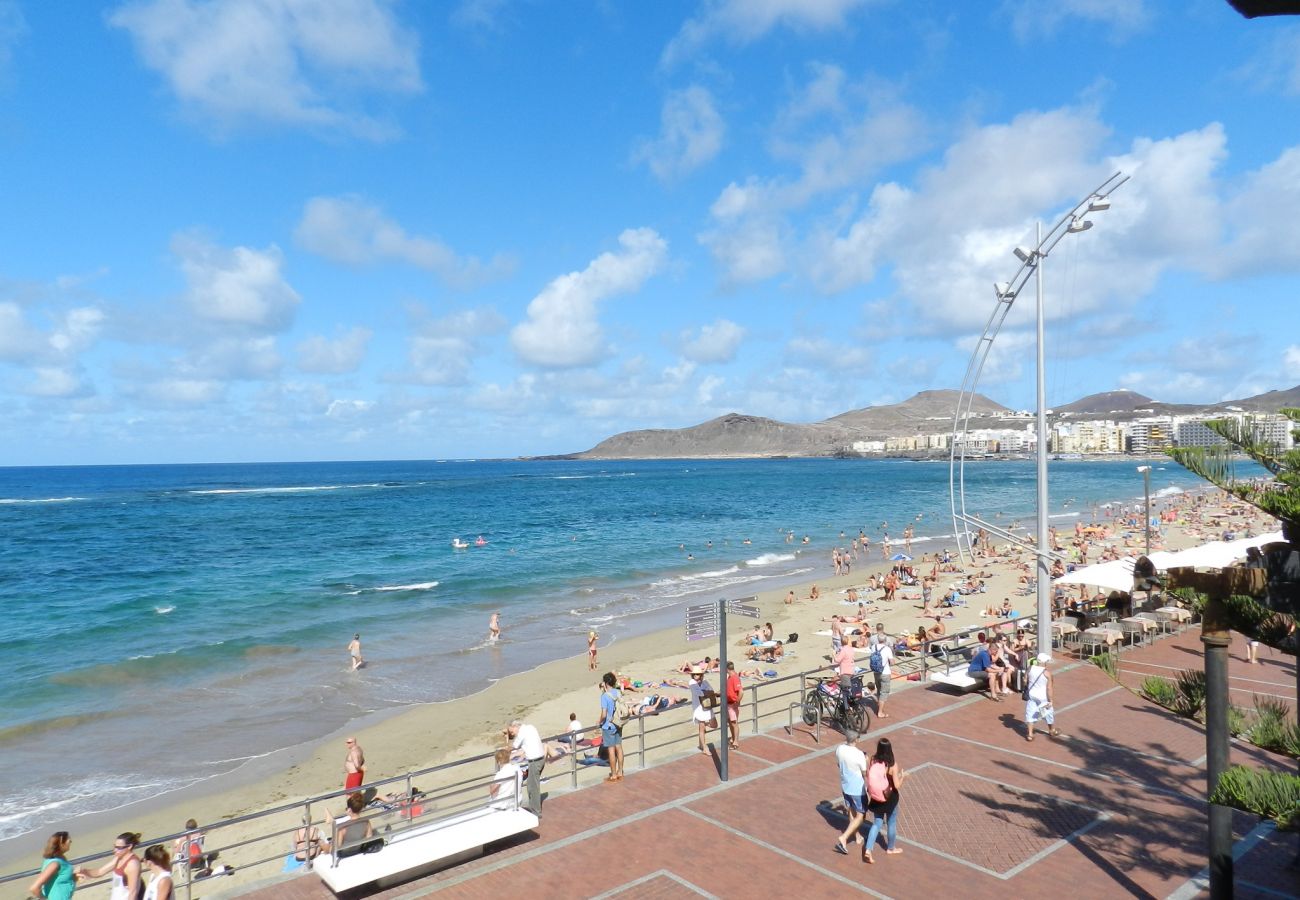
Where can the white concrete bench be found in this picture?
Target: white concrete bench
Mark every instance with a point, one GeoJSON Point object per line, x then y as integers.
{"type": "Point", "coordinates": [961, 679]}
{"type": "Point", "coordinates": [423, 849]}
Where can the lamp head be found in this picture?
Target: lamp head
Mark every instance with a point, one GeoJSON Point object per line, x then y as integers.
{"type": "Point", "coordinates": [1003, 290]}
{"type": "Point", "coordinates": [1077, 225]}
{"type": "Point", "coordinates": [1097, 204]}
{"type": "Point", "coordinates": [1024, 255]}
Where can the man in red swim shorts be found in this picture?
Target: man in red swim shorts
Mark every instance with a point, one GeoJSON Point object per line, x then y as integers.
{"type": "Point", "coordinates": [354, 767]}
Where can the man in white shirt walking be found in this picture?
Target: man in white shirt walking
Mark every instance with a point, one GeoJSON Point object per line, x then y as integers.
{"type": "Point", "coordinates": [527, 745]}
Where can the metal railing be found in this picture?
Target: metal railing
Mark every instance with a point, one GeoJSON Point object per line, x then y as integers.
{"type": "Point", "coordinates": [420, 797]}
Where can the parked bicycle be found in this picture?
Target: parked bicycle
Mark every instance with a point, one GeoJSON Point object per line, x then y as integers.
{"type": "Point", "coordinates": [845, 708]}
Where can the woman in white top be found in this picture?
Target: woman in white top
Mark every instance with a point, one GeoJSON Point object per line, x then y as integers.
{"type": "Point", "coordinates": [1038, 704]}
{"type": "Point", "coordinates": [159, 862]}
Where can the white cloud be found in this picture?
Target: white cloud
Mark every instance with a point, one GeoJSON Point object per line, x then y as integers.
{"type": "Point", "coordinates": [948, 238]}
{"type": "Point", "coordinates": [242, 359]}
{"type": "Point", "coordinates": [348, 409]}
{"type": "Point", "coordinates": [1276, 64]}
{"type": "Point", "coordinates": [241, 289]}
{"type": "Point", "coordinates": [1266, 207]}
{"type": "Point", "coordinates": [714, 343]}
{"type": "Point", "coordinates": [743, 21]}
{"type": "Point", "coordinates": [353, 231]}
{"type": "Point", "coordinates": [13, 28]}
{"type": "Point", "coordinates": [1173, 387]}
{"type": "Point", "coordinates": [481, 14]}
{"type": "Point", "coordinates": [690, 135]}
{"type": "Point", "coordinates": [340, 356]}
{"type": "Point", "coordinates": [750, 238]}
{"type": "Point", "coordinates": [294, 62]}
{"type": "Point", "coordinates": [56, 381]}
{"type": "Point", "coordinates": [562, 329]}
{"type": "Point", "coordinates": [69, 334]}
{"type": "Point", "coordinates": [1032, 19]}
{"type": "Point", "coordinates": [1291, 360]}
{"type": "Point", "coordinates": [823, 354]}
{"type": "Point", "coordinates": [442, 351]}
{"type": "Point", "coordinates": [177, 393]}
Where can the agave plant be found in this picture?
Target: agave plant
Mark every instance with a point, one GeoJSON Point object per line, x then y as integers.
{"type": "Point", "coordinates": [1273, 795]}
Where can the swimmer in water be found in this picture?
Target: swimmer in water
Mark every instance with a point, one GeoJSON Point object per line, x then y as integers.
{"type": "Point", "coordinates": [494, 627]}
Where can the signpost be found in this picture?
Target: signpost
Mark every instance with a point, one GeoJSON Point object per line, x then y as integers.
{"type": "Point", "coordinates": [705, 621]}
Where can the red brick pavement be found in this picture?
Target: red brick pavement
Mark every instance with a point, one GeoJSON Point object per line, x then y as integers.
{"type": "Point", "coordinates": [1111, 809]}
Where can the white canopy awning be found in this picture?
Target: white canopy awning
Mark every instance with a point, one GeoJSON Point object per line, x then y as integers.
{"type": "Point", "coordinates": [1117, 575]}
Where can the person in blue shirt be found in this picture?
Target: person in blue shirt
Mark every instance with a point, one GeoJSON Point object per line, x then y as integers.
{"type": "Point", "coordinates": [994, 669]}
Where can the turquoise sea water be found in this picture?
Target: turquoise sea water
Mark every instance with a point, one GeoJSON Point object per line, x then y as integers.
{"type": "Point", "coordinates": [167, 623]}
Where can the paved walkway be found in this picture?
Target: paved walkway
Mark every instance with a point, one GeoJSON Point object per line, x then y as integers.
{"type": "Point", "coordinates": [1112, 809]}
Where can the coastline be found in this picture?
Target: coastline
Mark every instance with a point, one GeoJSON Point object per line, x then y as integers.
{"type": "Point", "coordinates": [396, 740]}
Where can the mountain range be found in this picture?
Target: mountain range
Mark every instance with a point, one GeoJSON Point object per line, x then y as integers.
{"type": "Point", "coordinates": [930, 412]}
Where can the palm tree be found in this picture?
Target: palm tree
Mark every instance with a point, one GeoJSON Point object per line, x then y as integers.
{"type": "Point", "coordinates": [1269, 794]}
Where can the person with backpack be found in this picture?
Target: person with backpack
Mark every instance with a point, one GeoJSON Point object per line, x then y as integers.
{"type": "Point", "coordinates": [884, 778]}
{"type": "Point", "coordinates": [881, 656]}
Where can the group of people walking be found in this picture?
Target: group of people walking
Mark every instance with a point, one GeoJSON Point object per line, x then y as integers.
{"type": "Point", "coordinates": [58, 879]}
{"type": "Point", "coordinates": [869, 785]}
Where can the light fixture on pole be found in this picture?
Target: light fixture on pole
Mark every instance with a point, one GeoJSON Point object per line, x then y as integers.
{"type": "Point", "coordinates": [1031, 266]}
{"type": "Point", "coordinates": [1146, 484]}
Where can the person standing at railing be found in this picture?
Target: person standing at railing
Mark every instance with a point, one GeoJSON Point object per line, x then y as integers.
{"type": "Point", "coordinates": [733, 704]}
{"type": "Point", "coordinates": [125, 866]}
{"type": "Point", "coordinates": [701, 694]}
{"type": "Point", "coordinates": [159, 862]}
{"type": "Point", "coordinates": [611, 735]}
{"type": "Point", "coordinates": [527, 746]}
{"type": "Point", "coordinates": [354, 765]}
{"type": "Point", "coordinates": [57, 881]}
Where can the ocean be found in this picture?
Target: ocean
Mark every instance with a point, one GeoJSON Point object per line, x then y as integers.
{"type": "Point", "coordinates": [167, 624]}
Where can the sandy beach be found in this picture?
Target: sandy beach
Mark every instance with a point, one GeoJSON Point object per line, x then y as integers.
{"type": "Point", "coordinates": [424, 736]}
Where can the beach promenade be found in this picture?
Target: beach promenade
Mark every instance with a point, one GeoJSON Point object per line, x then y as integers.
{"type": "Point", "coordinates": [1112, 809]}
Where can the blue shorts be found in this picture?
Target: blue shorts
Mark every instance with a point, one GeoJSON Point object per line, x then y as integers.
{"type": "Point", "coordinates": [853, 803]}
{"type": "Point", "coordinates": [610, 738]}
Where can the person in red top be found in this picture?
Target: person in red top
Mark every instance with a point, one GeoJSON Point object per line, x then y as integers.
{"type": "Point", "coordinates": [733, 704]}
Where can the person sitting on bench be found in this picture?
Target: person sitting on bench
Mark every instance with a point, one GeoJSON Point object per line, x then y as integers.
{"type": "Point", "coordinates": [356, 829]}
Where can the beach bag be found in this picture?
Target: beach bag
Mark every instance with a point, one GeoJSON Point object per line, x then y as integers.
{"type": "Point", "coordinates": [878, 781]}
{"type": "Point", "coordinates": [877, 661]}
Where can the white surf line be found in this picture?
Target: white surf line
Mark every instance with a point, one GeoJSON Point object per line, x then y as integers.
{"type": "Point", "coordinates": [1200, 882]}
{"type": "Point", "coordinates": [773, 848]}
{"type": "Point", "coordinates": [1091, 773]}
{"type": "Point", "coordinates": [651, 876]}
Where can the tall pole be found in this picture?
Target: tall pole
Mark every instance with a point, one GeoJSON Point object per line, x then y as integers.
{"type": "Point", "coordinates": [1044, 571]}
{"type": "Point", "coordinates": [1216, 641]}
{"type": "Point", "coordinates": [724, 732]}
{"type": "Point", "coordinates": [1146, 485]}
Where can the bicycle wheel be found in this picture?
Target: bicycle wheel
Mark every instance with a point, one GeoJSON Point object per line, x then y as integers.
{"type": "Point", "coordinates": [812, 707]}
{"type": "Point", "coordinates": [858, 719]}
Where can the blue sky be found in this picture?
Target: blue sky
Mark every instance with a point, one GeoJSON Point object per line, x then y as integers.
{"type": "Point", "coordinates": [358, 229]}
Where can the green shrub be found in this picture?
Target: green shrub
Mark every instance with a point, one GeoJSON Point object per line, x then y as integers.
{"type": "Point", "coordinates": [1271, 794]}
{"type": "Point", "coordinates": [1160, 691]}
{"type": "Point", "coordinates": [1105, 662]}
{"type": "Point", "coordinates": [1273, 728]}
{"type": "Point", "coordinates": [1190, 698]}
{"type": "Point", "coordinates": [1238, 721]}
